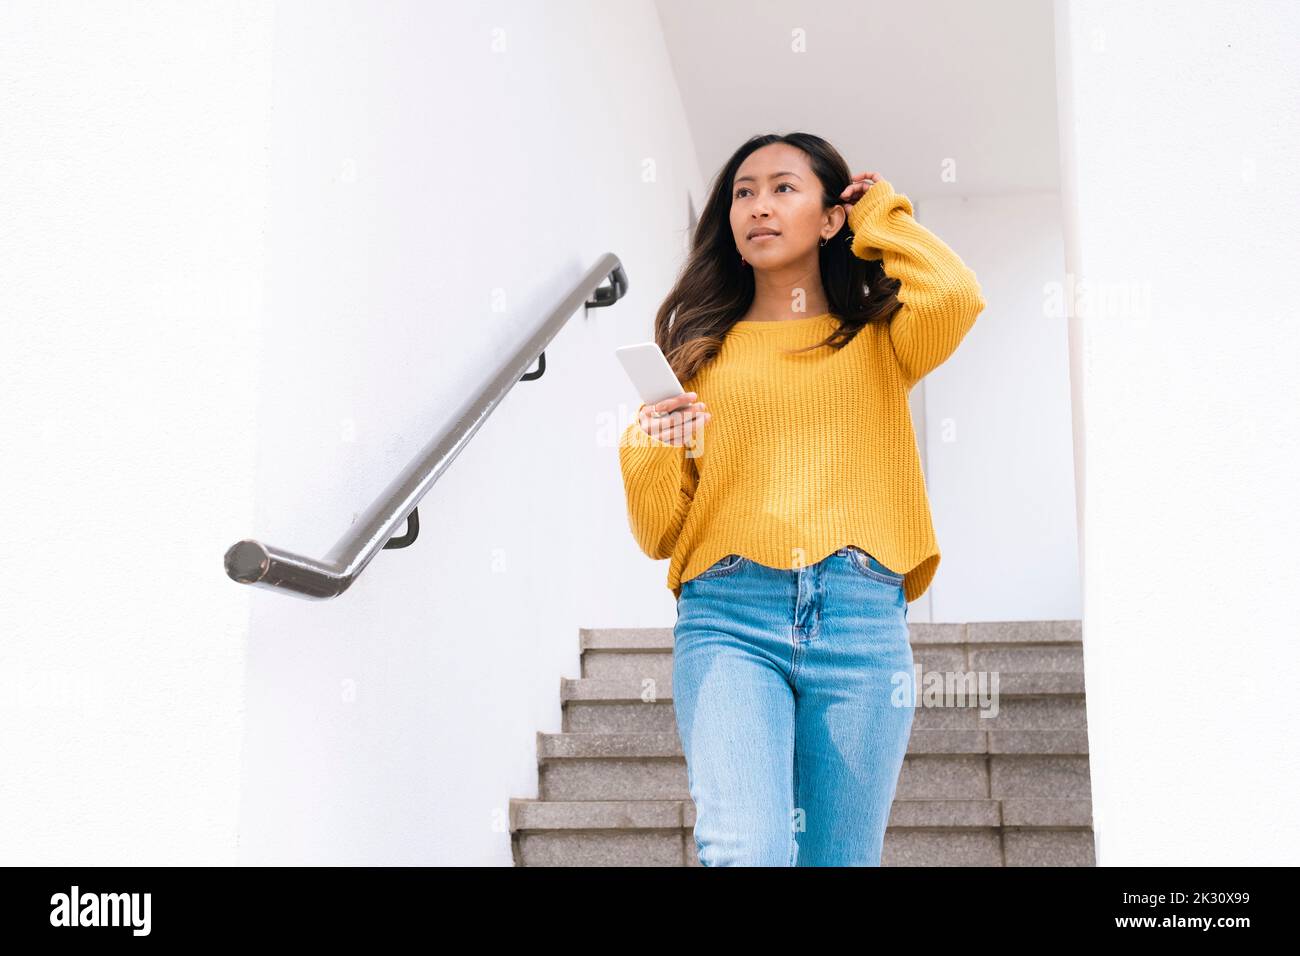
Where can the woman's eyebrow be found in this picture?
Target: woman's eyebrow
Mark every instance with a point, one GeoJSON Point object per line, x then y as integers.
{"type": "Point", "coordinates": [740, 179]}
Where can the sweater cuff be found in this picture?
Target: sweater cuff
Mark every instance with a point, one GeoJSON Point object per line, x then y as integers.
{"type": "Point", "coordinates": [642, 452]}
{"type": "Point", "coordinates": [870, 214]}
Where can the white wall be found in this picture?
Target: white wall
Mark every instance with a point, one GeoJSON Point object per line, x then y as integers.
{"type": "Point", "coordinates": [998, 453]}
{"type": "Point", "coordinates": [1179, 136]}
{"type": "Point", "coordinates": [131, 253]}
{"type": "Point", "coordinates": [440, 175]}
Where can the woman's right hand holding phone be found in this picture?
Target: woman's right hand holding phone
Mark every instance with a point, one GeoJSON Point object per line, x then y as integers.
{"type": "Point", "coordinates": [679, 419]}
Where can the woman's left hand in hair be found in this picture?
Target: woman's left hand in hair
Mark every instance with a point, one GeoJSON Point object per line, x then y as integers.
{"type": "Point", "coordinates": [857, 189]}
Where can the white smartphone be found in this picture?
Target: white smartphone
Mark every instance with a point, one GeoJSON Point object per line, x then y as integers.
{"type": "Point", "coordinates": [649, 371]}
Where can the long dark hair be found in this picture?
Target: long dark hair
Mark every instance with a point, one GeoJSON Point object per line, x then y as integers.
{"type": "Point", "coordinates": [714, 289]}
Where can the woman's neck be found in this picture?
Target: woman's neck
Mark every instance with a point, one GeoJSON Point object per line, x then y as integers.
{"type": "Point", "coordinates": [787, 297]}
{"type": "Point", "coordinates": [783, 311]}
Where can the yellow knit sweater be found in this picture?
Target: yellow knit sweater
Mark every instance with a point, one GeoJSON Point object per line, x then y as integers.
{"type": "Point", "coordinates": [806, 454]}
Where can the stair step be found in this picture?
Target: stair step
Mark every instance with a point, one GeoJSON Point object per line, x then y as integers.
{"type": "Point", "coordinates": [1054, 712]}
{"type": "Point", "coordinates": [601, 814]}
{"type": "Point", "coordinates": [653, 689]}
{"type": "Point", "coordinates": [956, 659]}
{"type": "Point", "coordinates": [625, 638]}
{"type": "Point", "coordinates": [668, 743]}
{"type": "Point", "coordinates": [603, 848]}
{"type": "Point", "coordinates": [923, 776]}
{"type": "Point", "coordinates": [942, 848]}
{"type": "Point", "coordinates": [558, 746]}
{"type": "Point", "coordinates": [614, 778]}
{"type": "Point", "coordinates": [614, 717]}
{"type": "Point", "coordinates": [983, 632]}
{"type": "Point", "coordinates": [1038, 812]}
{"type": "Point", "coordinates": [1049, 848]}
{"type": "Point", "coordinates": [580, 815]}
{"type": "Point", "coordinates": [920, 833]}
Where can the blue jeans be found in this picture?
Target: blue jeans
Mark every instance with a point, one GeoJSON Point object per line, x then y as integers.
{"type": "Point", "coordinates": [794, 697]}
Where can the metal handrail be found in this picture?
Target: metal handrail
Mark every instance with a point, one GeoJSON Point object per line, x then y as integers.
{"type": "Point", "coordinates": [252, 562]}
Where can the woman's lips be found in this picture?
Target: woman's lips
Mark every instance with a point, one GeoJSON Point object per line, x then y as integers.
{"type": "Point", "coordinates": [762, 236]}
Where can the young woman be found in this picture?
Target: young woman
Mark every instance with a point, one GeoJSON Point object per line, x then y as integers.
{"type": "Point", "coordinates": [790, 497]}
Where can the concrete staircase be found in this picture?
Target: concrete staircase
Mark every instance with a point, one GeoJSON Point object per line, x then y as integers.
{"type": "Point", "coordinates": [1010, 790]}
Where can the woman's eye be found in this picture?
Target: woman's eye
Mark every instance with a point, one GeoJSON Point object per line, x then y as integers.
{"type": "Point", "coordinates": [745, 189]}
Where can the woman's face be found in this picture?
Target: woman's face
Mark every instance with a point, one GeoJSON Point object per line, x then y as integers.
{"type": "Point", "coordinates": [775, 190]}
